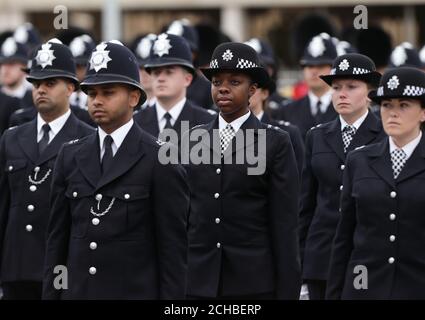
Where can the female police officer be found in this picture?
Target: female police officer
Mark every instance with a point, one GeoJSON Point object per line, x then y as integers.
{"type": "Point", "coordinates": [382, 219]}
{"type": "Point", "coordinates": [326, 147]}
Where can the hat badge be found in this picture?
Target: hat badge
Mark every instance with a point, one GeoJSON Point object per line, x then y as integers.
{"type": "Point", "coordinates": [144, 47]}
{"type": "Point", "coordinates": [227, 55]}
{"type": "Point", "coordinates": [9, 47]}
{"type": "Point", "coordinates": [100, 58]}
{"type": "Point", "coordinates": [393, 83]}
{"type": "Point", "coordinates": [344, 65]}
{"type": "Point", "coordinates": [162, 45]}
{"type": "Point", "coordinates": [45, 56]}
{"type": "Point", "coordinates": [316, 47]}
{"type": "Point", "coordinates": [399, 56]}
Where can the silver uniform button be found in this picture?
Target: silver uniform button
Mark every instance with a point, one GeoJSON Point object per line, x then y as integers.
{"type": "Point", "coordinates": [95, 221]}
{"type": "Point", "coordinates": [392, 216]}
{"type": "Point", "coordinates": [392, 238]}
{"type": "Point", "coordinates": [33, 188]}
{"type": "Point", "coordinates": [75, 194]}
{"type": "Point", "coordinates": [98, 197]}
{"type": "Point", "coordinates": [393, 194]}
{"type": "Point", "coordinates": [342, 167]}
{"type": "Point", "coordinates": [10, 168]}
{"type": "Point", "coordinates": [218, 245]}
{"type": "Point", "coordinates": [30, 208]}
{"type": "Point", "coordinates": [216, 195]}
{"type": "Point", "coordinates": [127, 196]}
{"type": "Point", "coordinates": [36, 169]}
{"type": "Point", "coordinates": [92, 270]}
{"type": "Point", "coordinates": [391, 260]}
{"type": "Point", "coordinates": [28, 227]}
{"type": "Point", "coordinates": [217, 220]}
{"type": "Point", "coordinates": [93, 245]}
{"type": "Point", "coordinates": [218, 171]}
{"type": "Point", "coordinates": [341, 187]}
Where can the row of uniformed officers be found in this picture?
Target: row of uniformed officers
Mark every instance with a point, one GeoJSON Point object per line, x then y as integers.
{"type": "Point", "coordinates": [127, 227]}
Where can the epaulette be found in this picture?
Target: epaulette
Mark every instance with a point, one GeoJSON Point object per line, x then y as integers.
{"type": "Point", "coordinates": [284, 123]}
{"type": "Point", "coordinates": [11, 128]}
{"type": "Point", "coordinates": [19, 111]}
{"type": "Point", "coordinates": [316, 126]}
{"type": "Point", "coordinates": [212, 112]}
{"type": "Point", "coordinates": [160, 142]}
{"type": "Point", "coordinates": [73, 141]}
{"type": "Point", "coordinates": [361, 147]}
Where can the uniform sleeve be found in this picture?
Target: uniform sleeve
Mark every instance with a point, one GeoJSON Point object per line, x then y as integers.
{"type": "Point", "coordinates": [58, 229]}
{"type": "Point", "coordinates": [171, 207]}
{"type": "Point", "coordinates": [283, 214]}
{"type": "Point", "coordinates": [343, 240]}
{"type": "Point", "coordinates": [4, 192]}
{"type": "Point", "coordinates": [308, 194]}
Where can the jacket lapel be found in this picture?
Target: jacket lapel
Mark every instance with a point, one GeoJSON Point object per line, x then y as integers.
{"type": "Point", "coordinates": [415, 164]}
{"type": "Point", "coordinates": [88, 159]}
{"type": "Point", "coordinates": [127, 155]}
{"type": "Point", "coordinates": [28, 141]}
{"type": "Point", "coordinates": [149, 121]}
{"type": "Point", "coordinates": [185, 115]}
{"type": "Point", "coordinates": [67, 133]}
{"type": "Point", "coordinates": [381, 162]}
{"type": "Point", "coordinates": [333, 137]}
{"type": "Point", "coordinates": [368, 131]}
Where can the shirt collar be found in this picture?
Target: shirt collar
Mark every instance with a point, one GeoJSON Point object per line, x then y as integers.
{"type": "Point", "coordinates": [55, 125]}
{"type": "Point", "coordinates": [19, 92]}
{"type": "Point", "coordinates": [236, 124]}
{"type": "Point", "coordinates": [408, 148]}
{"type": "Point", "coordinates": [174, 111]}
{"type": "Point", "coordinates": [324, 99]}
{"type": "Point", "coordinates": [118, 135]}
{"type": "Point", "coordinates": [356, 123]}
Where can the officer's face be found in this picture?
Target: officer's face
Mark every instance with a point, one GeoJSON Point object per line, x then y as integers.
{"type": "Point", "coordinates": [312, 73]}
{"type": "Point", "coordinates": [402, 118]}
{"type": "Point", "coordinates": [52, 95]}
{"type": "Point", "coordinates": [349, 97]}
{"type": "Point", "coordinates": [231, 92]}
{"type": "Point", "coordinates": [111, 105]}
{"type": "Point", "coordinates": [11, 74]}
{"type": "Point", "coordinates": [170, 82]}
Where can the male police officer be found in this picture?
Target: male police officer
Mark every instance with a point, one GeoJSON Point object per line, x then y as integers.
{"type": "Point", "coordinates": [28, 153]}
{"type": "Point", "coordinates": [172, 72]}
{"type": "Point", "coordinates": [110, 223]}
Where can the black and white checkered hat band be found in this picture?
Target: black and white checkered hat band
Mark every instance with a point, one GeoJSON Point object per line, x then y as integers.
{"type": "Point", "coordinates": [214, 64]}
{"type": "Point", "coordinates": [360, 71]}
{"type": "Point", "coordinates": [245, 64]}
{"type": "Point", "coordinates": [413, 91]}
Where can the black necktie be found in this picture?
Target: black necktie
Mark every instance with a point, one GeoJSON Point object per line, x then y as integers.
{"type": "Point", "coordinates": [167, 117]}
{"type": "Point", "coordinates": [107, 156]}
{"type": "Point", "coordinates": [45, 139]}
{"type": "Point", "coordinates": [318, 109]}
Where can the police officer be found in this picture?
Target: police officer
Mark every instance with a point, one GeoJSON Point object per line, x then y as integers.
{"type": "Point", "coordinates": [13, 59]}
{"type": "Point", "coordinates": [27, 155]}
{"type": "Point", "coordinates": [316, 107]}
{"type": "Point", "coordinates": [172, 72]}
{"type": "Point", "coordinates": [110, 223]}
{"type": "Point", "coordinates": [405, 55]}
{"type": "Point", "coordinates": [351, 78]}
{"type": "Point", "coordinates": [382, 217]}
{"type": "Point", "coordinates": [242, 226]}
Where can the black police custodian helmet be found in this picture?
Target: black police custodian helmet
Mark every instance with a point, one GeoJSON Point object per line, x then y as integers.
{"type": "Point", "coordinates": [320, 50]}
{"type": "Point", "coordinates": [141, 48]}
{"type": "Point", "coordinates": [112, 62]}
{"type": "Point", "coordinates": [403, 82]}
{"type": "Point", "coordinates": [184, 29]}
{"type": "Point", "coordinates": [264, 50]}
{"type": "Point", "coordinates": [237, 57]}
{"type": "Point", "coordinates": [81, 48]}
{"type": "Point", "coordinates": [353, 66]}
{"type": "Point", "coordinates": [52, 60]}
{"type": "Point", "coordinates": [170, 50]}
{"type": "Point", "coordinates": [11, 51]}
{"type": "Point", "coordinates": [405, 55]}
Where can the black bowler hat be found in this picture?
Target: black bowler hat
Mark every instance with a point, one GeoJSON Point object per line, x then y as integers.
{"type": "Point", "coordinates": [353, 66]}
{"type": "Point", "coordinates": [81, 48]}
{"type": "Point", "coordinates": [52, 60]}
{"type": "Point", "coordinates": [237, 57]}
{"type": "Point", "coordinates": [320, 50]}
{"type": "Point", "coordinates": [112, 62]}
{"type": "Point", "coordinates": [170, 50]}
{"type": "Point", "coordinates": [184, 29]}
{"type": "Point", "coordinates": [27, 35]}
{"type": "Point", "coordinates": [11, 51]}
{"type": "Point", "coordinates": [141, 48]}
{"type": "Point", "coordinates": [405, 55]}
{"type": "Point", "coordinates": [402, 82]}
{"type": "Point", "coordinates": [264, 50]}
